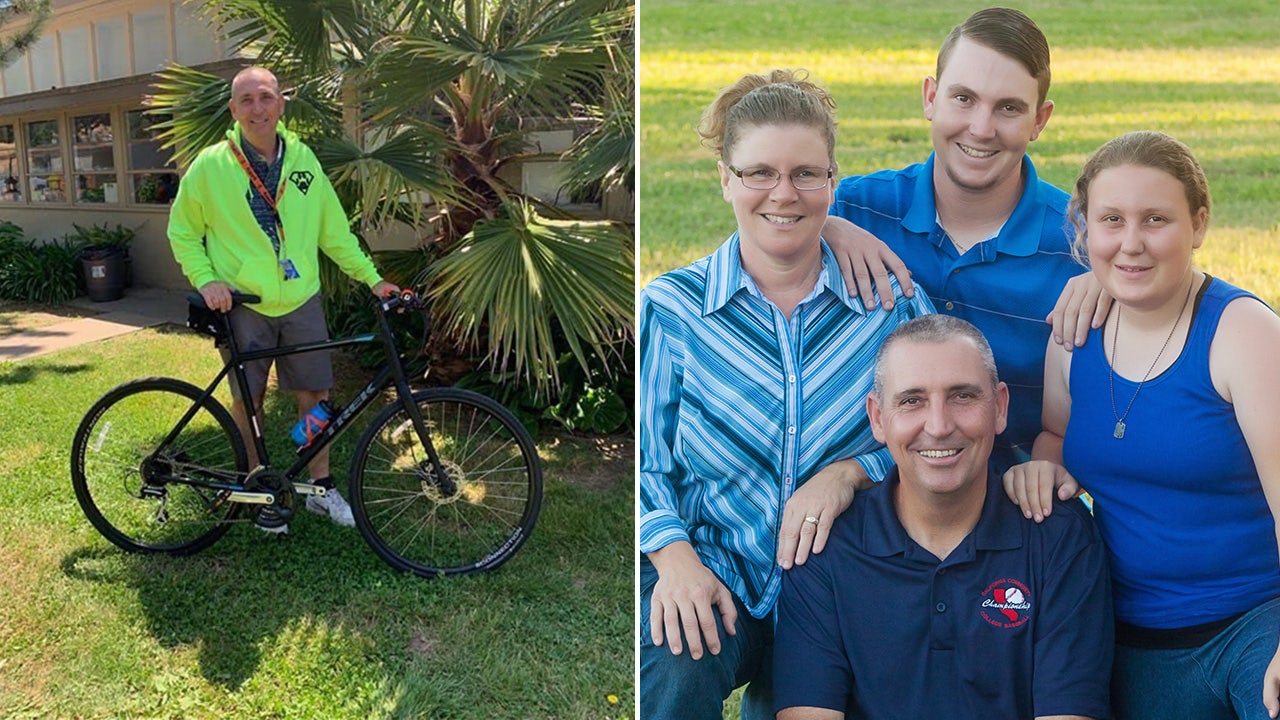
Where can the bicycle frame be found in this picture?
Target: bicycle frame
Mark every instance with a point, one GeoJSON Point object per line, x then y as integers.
{"type": "Point", "coordinates": [390, 373]}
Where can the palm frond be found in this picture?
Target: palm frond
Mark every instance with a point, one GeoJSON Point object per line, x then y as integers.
{"type": "Point", "coordinates": [605, 155]}
{"type": "Point", "coordinates": [544, 67]}
{"type": "Point", "coordinates": [192, 105]}
{"type": "Point", "coordinates": [299, 35]}
{"type": "Point", "coordinates": [516, 275]}
{"type": "Point", "coordinates": [395, 177]}
{"type": "Point", "coordinates": [193, 109]}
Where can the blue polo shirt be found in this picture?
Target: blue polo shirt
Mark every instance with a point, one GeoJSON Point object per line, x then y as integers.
{"type": "Point", "coordinates": [1005, 285]}
{"type": "Point", "coordinates": [1015, 623]}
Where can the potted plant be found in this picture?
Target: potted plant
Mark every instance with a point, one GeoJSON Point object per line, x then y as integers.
{"type": "Point", "coordinates": [104, 255]}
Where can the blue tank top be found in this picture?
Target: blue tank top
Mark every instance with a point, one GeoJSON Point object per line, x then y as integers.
{"type": "Point", "coordinates": [1178, 500]}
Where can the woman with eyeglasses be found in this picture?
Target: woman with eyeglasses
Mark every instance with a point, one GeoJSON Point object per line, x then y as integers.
{"type": "Point", "coordinates": [754, 365]}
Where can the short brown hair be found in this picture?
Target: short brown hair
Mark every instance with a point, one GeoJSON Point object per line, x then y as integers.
{"type": "Point", "coordinates": [934, 329]}
{"type": "Point", "coordinates": [783, 97]}
{"type": "Point", "coordinates": [1008, 32]}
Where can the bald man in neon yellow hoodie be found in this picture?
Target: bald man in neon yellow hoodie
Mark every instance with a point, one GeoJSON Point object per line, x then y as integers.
{"type": "Point", "coordinates": [252, 214]}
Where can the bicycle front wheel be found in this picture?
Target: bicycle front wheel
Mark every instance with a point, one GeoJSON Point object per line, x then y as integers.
{"type": "Point", "coordinates": [148, 498]}
{"type": "Point", "coordinates": [473, 519]}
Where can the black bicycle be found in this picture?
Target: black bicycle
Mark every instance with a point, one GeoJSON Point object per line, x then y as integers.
{"type": "Point", "coordinates": [443, 481]}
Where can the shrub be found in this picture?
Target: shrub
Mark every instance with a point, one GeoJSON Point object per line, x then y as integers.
{"type": "Point", "coordinates": [349, 311]}
{"type": "Point", "coordinates": [119, 236]}
{"type": "Point", "coordinates": [47, 273]}
{"type": "Point", "coordinates": [599, 400]}
{"type": "Point", "coordinates": [9, 234]}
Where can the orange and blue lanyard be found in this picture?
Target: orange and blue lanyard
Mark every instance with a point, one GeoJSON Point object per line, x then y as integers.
{"type": "Point", "coordinates": [273, 201]}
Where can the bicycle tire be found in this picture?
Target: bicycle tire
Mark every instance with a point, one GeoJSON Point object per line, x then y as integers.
{"type": "Point", "coordinates": [119, 436]}
{"type": "Point", "coordinates": [413, 525]}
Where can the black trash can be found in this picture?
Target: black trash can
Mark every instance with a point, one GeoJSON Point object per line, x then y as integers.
{"type": "Point", "coordinates": [105, 272]}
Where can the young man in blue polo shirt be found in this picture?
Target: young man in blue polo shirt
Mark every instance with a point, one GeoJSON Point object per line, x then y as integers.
{"type": "Point", "coordinates": [935, 597]}
{"type": "Point", "coordinates": [976, 227]}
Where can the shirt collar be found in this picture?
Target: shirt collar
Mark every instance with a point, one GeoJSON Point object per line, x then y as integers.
{"type": "Point", "coordinates": [725, 278]}
{"type": "Point", "coordinates": [256, 157]}
{"type": "Point", "coordinates": [999, 525]}
{"type": "Point", "coordinates": [235, 135]}
{"type": "Point", "coordinates": [1020, 234]}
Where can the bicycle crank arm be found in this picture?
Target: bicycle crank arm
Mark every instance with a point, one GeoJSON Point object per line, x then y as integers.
{"type": "Point", "coordinates": [251, 498]}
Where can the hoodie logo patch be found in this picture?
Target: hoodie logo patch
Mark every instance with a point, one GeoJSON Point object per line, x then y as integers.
{"type": "Point", "coordinates": [302, 179]}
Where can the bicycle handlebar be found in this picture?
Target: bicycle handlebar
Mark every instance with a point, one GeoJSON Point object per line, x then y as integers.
{"type": "Point", "coordinates": [237, 298]}
{"type": "Point", "coordinates": [406, 299]}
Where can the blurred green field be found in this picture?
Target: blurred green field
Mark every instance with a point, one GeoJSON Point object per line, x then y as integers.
{"type": "Point", "coordinates": [1202, 72]}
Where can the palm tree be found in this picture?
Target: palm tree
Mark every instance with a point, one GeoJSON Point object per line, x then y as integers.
{"type": "Point", "coordinates": [420, 110]}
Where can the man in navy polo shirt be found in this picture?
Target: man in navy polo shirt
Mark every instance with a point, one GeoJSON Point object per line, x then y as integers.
{"type": "Point", "coordinates": [978, 230]}
{"type": "Point", "coordinates": [935, 597]}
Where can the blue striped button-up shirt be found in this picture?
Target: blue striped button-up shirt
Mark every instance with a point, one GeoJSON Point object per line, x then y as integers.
{"type": "Point", "coordinates": [740, 405]}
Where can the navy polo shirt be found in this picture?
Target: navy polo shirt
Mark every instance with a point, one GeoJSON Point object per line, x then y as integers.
{"type": "Point", "coordinates": [1005, 286]}
{"type": "Point", "coordinates": [1015, 623]}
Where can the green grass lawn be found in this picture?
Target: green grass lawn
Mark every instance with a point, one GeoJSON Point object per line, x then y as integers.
{"type": "Point", "coordinates": [1203, 72]}
{"type": "Point", "coordinates": [309, 626]}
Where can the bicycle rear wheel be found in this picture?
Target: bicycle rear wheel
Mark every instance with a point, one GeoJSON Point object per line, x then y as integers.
{"type": "Point", "coordinates": [133, 491]}
{"type": "Point", "coordinates": [475, 520]}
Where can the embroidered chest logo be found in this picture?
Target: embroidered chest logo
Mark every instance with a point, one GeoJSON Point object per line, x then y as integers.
{"type": "Point", "coordinates": [302, 179]}
{"type": "Point", "coordinates": [1006, 603]}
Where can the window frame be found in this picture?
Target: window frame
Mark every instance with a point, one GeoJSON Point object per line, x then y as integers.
{"type": "Point", "coordinates": [122, 174]}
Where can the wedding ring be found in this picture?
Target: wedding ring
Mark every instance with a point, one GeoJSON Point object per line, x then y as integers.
{"type": "Point", "coordinates": [811, 519]}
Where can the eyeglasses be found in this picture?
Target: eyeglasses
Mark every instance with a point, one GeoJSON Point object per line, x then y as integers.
{"type": "Point", "coordinates": [763, 178]}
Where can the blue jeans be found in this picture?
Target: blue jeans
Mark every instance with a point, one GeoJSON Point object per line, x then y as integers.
{"type": "Point", "coordinates": [1221, 679]}
{"type": "Point", "coordinates": [677, 687]}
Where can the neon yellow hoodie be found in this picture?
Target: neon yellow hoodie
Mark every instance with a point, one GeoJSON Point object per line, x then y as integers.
{"type": "Point", "coordinates": [215, 236]}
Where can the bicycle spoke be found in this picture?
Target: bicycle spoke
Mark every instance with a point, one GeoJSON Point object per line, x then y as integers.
{"type": "Point", "coordinates": [470, 518]}
{"type": "Point", "coordinates": [146, 498]}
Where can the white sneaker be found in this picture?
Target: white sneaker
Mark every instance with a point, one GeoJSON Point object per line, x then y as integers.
{"type": "Point", "coordinates": [333, 505]}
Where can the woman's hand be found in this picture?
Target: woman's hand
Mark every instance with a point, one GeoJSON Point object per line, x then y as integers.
{"type": "Point", "coordinates": [1271, 686]}
{"type": "Point", "coordinates": [1031, 486]}
{"type": "Point", "coordinates": [865, 262]}
{"type": "Point", "coordinates": [813, 507]}
{"type": "Point", "coordinates": [1083, 305]}
{"type": "Point", "coordinates": [684, 598]}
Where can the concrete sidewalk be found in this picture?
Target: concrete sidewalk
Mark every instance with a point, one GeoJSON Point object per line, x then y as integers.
{"type": "Point", "coordinates": [139, 308]}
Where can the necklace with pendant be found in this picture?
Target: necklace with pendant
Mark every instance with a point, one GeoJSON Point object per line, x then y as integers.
{"type": "Point", "coordinates": [1115, 336]}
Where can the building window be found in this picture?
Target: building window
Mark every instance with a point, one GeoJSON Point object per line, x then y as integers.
{"type": "Point", "coordinates": [197, 42]}
{"type": "Point", "coordinates": [112, 38]}
{"type": "Point", "coordinates": [44, 159]}
{"type": "Point", "coordinates": [10, 185]}
{"type": "Point", "coordinates": [15, 77]}
{"type": "Point", "coordinates": [152, 180]}
{"type": "Point", "coordinates": [44, 64]}
{"type": "Point", "coordinates": [77, 63]}
{"type": "Point", "coordinates": [151, 39]}
{"type": "Point", "coordinates": [95, 163]}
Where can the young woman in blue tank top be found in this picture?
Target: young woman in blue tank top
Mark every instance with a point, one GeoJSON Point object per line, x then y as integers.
{"type": "Point", "coordinates": [1168, 417]}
